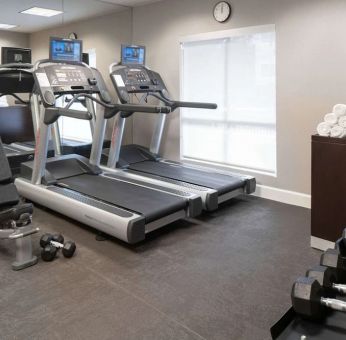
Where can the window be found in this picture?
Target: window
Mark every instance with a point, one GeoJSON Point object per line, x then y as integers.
{"type": "Point", "coordinates": [237, 70]}
{"type": "Point", "coordinates": [75, 129]}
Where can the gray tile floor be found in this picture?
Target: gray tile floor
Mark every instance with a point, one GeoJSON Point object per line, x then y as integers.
{"type": "Point", "coordinates": [226, 275]}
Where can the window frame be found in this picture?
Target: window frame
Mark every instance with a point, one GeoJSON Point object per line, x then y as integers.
{"type": "Point", "coordinates": [224, 34]}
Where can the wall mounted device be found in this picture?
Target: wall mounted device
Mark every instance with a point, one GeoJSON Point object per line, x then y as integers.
{"type": "Point", "coordinates": [222, 11]}
{"type": "Point", "coordinates": [11, 55]}
{"type": "Point", "coordinates": [61, 49]}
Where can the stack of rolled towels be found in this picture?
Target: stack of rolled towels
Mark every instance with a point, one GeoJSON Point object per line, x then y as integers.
{"type": "Point", "coordinates": [334, 124]}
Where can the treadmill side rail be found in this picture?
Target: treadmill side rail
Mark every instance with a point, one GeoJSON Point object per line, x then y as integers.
{"type": "Point", "coordinates": [195, 206]}
{"type": "Point", "coordinates": [250, 187]}
{"type": "Point", "coordinates": [250, 181]}
{"type": "Point", "coordinates": [129, 229]}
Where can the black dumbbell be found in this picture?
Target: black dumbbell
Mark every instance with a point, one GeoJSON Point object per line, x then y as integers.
{"type": "Point", "coordinates": [308, 299]}
{"type": "Point", "coordinates": [46, 238]}
{"type": "Point", "coordinates": [340, 244]}
{"type": "Point", "coordinates": [51, 245]}
{"type": "Point", "coordinates": [326, 277]}
{"type": "Point", "coordinates": [48, 253]}
{"type": "Point", "coordinates": [331, 258]}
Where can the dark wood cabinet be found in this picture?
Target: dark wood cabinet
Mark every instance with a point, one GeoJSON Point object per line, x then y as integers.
{"type": "Point", "coordinates": [328, 190]}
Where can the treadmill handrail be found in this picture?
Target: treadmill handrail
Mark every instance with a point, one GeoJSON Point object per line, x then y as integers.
{"type": "Point", "coordinates": [116, 108]}
{"type": "Point", "coordinates": [173, 104]}
{"type": "Point", "coordinates": [51, 114]}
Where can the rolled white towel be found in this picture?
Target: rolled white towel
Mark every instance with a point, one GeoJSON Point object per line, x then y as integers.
{"type": "Point", "coordinates": [323, 129]}
{"type": "Point", "coordinates": [342, 122]}
{"type": "Point", "coordinates": [339, 110]}
{"type": "Point", "coordinates": [337, 132]}
{"type": "Point", "coordinates": [331, 118]}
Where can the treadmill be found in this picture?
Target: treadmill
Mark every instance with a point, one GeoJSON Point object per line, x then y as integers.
{"type": "Point", "coordinates": [76, 186]}
{"type": "Point", "coordinates": [66, 146]}
{"type": "Point", "coordinates": [16, 79]}
{"type": "Point", "coordinates": [132, 77]}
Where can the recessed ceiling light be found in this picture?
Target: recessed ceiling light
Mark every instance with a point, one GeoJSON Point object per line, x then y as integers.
{"type": "Point", "coordinates": [43, 12]}
{"type": "Point", "coordinates": [6, 26]}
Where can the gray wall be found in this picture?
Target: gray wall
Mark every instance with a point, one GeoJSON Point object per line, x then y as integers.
{"type": "Point", "coordinates": [311, 67]}
{"type": "Point", "coordinates": [13, 39]}
{"type": "Point", "coordinates": [105, 34]}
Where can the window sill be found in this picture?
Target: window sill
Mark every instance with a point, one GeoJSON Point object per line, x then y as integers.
{"type": "Point", "coordinates": [227, 168]}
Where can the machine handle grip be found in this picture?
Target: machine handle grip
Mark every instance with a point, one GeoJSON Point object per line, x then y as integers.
{"type": "Point", "coordinates": [175, 104]}
{"type": "Point", "coordinates": [113, 109]}
{"type": "Point", "coordinates": [210, 106]}
{"type": "Point", "coordinates": [53, 113]}
{"type": "Point", "coordinates": [143, 108]}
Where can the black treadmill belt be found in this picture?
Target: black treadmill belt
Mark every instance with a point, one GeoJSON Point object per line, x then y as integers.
{"type": "Point", "coordinates": [150, 203]}
{"type": "Point", "coordinates": [219, 182]}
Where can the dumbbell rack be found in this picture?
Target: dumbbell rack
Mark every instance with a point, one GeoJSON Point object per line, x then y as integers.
{"type": "Point", "coordinates": [328, 188]}
{"type": "Point", "coordinates": [292, 326]}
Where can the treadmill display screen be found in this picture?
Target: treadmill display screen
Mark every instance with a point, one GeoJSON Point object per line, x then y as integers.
{"type": "Point", "coordinates": [132, 55]}
{"type": "Point", "coordinates": [65, 50]}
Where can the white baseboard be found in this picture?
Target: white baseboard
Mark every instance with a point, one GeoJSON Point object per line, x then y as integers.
{"type": "Point", "coordinates": [321, 244]}
{"type": "Point", "coordinates": [284, 196]}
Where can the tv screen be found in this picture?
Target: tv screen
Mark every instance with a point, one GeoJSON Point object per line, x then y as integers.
{"type": "Point", "coordinates": [132, 55]}
{"type": "Point", "coordinates": [65, 50]}
{"type": "Point", "coordinates": [11, 55]}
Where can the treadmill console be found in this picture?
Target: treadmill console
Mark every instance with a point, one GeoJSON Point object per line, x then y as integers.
{"type": "Point", "coordinates": [130, 79]}
{"type": "Point", "coordinates": [61, 79]}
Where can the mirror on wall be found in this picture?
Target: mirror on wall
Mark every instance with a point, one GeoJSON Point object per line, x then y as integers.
{"type": "Point", "coordinates": [37, 15]}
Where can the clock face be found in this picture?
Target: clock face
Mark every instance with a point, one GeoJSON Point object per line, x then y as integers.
{"type": "Point", "coordinates": [72, 35]}
{"type": "Point", "coordinates": [222, 11]}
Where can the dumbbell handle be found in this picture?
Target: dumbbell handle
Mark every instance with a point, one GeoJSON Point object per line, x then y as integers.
{"type": "Point", "coordinates": [56, 244]}
{"type": "Point", "coordinates": [340, 288]}
{"type": "Point", "coordinates": [334, 304]}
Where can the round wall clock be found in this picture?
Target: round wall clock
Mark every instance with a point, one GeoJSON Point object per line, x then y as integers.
{"type": "Point", "coordinates": [222, 11]}
{"type": "Point", "coordinates": [72, 35]}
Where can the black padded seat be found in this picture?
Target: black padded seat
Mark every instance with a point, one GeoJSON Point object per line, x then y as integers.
{"type": "Point", "coordinates": [8, 195]}
{"type": "Point", "coordinates": [5, 171]}
{"type": "Point", "coordinates": [8, 192]}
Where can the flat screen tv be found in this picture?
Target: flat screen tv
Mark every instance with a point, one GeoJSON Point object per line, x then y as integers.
{"type": "Point", "coordinates": [11, 55]}
{"type": "Point", "coordinates": [61, 49]}
{"type": "Point", "coordinates": [132, 55]}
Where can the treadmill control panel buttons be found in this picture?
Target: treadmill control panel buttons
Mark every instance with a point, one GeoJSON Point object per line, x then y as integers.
{"type": "Point", "coordinates": [92, 81]}
{"type": "Point", "coordinates": [71, 78]}
{"type": "Point", "coordinates": [136, 80]}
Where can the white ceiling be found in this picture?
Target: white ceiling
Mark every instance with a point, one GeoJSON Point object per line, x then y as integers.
{"type": "Point", "coordinates": [74, 10]}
